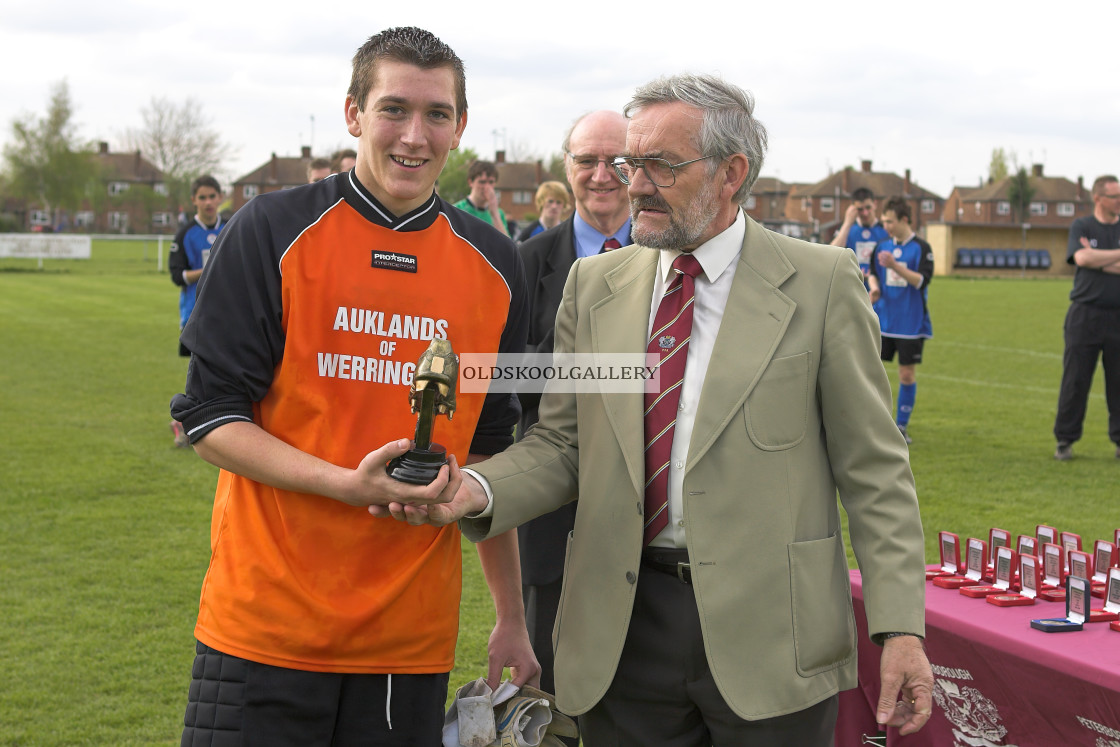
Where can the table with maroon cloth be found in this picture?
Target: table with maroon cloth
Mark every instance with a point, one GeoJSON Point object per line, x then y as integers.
{"type": "Point", "coordinates": [997, 681]}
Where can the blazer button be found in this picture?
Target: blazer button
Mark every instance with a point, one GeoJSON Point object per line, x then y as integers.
{"type": "Point", "coordinates": [630, 577]}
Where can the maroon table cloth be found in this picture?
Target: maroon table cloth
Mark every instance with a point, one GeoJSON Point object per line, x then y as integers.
{"type": "Point", "coordinates": [997, 681]}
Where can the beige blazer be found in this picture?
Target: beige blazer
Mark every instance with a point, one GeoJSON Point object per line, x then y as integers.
{"type": "Point", "coordinates": [795, 410]}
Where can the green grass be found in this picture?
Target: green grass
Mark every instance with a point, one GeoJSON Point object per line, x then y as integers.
{"type": "Point", "coordinates": [104, 526]}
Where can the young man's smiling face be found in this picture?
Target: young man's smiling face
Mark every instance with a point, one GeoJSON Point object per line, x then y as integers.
{"type": "Point", "coordinates": [406, 129]}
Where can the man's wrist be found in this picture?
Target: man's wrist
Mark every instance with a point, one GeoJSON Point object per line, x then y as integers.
{"type": "Point", "coordinates": [881, 638]}
{"type": "Point", "coordinates": [488, 509]}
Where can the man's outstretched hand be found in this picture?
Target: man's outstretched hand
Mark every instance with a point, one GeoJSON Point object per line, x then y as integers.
{"type": "Point", "coordinates": [469, 497]}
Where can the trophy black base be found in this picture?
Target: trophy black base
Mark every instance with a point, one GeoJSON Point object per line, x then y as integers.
{"type": "Point", "coordinates": [418, 466]}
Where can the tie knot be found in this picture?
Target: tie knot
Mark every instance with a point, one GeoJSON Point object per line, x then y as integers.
{"type": "Point", "coordinates": [611, 243]}
{"type": "Point", "coordinates": [686, 264]}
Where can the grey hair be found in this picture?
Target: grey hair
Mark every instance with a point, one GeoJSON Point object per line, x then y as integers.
{"type": "Point", "coordinates": [729, 126]}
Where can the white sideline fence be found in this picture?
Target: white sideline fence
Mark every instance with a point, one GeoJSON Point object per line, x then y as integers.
{"type": "Point", "coordinates": [74, 246]}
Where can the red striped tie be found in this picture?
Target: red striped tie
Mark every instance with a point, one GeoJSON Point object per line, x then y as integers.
{"type": "Point", "coordinates": [672, 328]}
{"type": "Point", "coordinates": [611, 243]}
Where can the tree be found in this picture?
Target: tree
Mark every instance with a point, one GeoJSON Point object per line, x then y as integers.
{"type": "Point", "coordinates": [556, 168]}
{"type": "Point", "coordinates": [453, 179]}
{"type": "Point", "coordinates": [998, 168]}
{"type": "Point", "coordinates": [46, 163]}
{"type": "Point", "coordinates": [180, 142]}
{"type": "Point", "coordinates": [1020, 192]}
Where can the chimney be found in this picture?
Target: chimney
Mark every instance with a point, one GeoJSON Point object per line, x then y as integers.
{"type": "Point", "coordinates": [499, 156]}
{"type": "Point", "coordinates": [1036, 169]}
{"type": "Point", "coordinates": [138, 162]}
{"type": "Point", "coordinates": [540, 171]}
{"type": "Point", "coordinates": [272, 168]}
{"type": "Point", "coordinates": [906, 183]}
{"type": "Point", "coordinates": [103, 148]}
{"type": "Point", "coordinates": [1081, 188]}
{"type": "Point", "coordinates": [844, 181]}
{"type": "Point", "coordinates": [865, 166]}
{"type": "Point", "coordinates": [305, 151]}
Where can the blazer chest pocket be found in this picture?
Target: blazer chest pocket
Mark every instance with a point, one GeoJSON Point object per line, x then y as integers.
{"type": "Point", "coordinates": [777, 408]}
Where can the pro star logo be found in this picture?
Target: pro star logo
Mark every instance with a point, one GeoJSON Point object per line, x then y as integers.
{"type": "Point", "coordinates": [212, 238]}
{"type": "Point", "coordinates": [392, 261]}
{"type": "Point", "coordinates": [866, 234]}
{"type": "Point", "coordinates": [666, 342]}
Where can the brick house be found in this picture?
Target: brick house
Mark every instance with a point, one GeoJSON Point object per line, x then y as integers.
{"type": "Point", "coordinates": [279, 172]}
{"type": "Point", "coordinates": [517, 187]}
{"type": "Point", "coordinates": [821, 206]}
{"type": "Point", "coordinates": [983, 218]}
{"type": "Point", "coordinates": [767, 205]}
{"type": "Point", "coordinates": [131, 198]}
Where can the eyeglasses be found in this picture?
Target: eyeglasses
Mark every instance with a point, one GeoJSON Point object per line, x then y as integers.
{"type": "Point", "coordinates": [588, 163]}
{"type": "Point", "coordinates": [658, 170]}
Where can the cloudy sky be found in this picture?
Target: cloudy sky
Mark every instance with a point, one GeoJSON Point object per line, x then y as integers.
{"type": "Point", "coordinates": [932, 87]}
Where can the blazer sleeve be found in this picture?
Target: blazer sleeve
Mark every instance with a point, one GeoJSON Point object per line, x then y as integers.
{"type": "Point", "coordinates": [869, 459]}
{"type": "Point", "coordinates": [541, 470]}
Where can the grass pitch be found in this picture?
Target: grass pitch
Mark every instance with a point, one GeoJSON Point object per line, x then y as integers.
{"type": "Point", "coordinates": [104, 536]}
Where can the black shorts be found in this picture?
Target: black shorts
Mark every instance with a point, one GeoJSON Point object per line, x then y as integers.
{"type": "Point", "coordinates": [233, 701]}
{"type": "Point", "coordinates": [909, 351]}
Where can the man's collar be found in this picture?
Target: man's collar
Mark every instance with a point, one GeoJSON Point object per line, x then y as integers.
{"type": "Point", "coordinates": [588, 239]}
{"type": "Point", "coordinates": [362, 200]}
{"type": "Point", "coordinates": [715, 255]}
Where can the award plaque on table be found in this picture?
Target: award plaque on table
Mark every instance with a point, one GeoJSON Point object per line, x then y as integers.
{"type": "Point", "coordinates": [1030, 576]}
{"type": "Point", "coordinates": [977, 566]}
{"type": "Point", "coordinates": [1077, 609]}
{"type": "Point", "coordinates": [1045, 533]}
{"type": "Point", "coordinates": [1111, 609]}
{"type": "Point", "coordinates": [996, 538]}
{"type": "Point", "coordinates": [1026, 545]}
{"type": "Point", "coordinates": [1053, 573]}
{"type": "Point", "coordinates": [1070, 541]}
{"type": "Point", "coordinates": [1080, 564]}
{"type": "Point", "coordinates": [1104, 558]}
{"type": "Point", "coordinates": [1112, 596]}
{"type": "Point", "coordinates": [1007, 566]}
{"type": "Point", "coordinates": [950, 575]}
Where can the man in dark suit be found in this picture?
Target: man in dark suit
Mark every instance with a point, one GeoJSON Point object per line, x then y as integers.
{"type": "Point", "coordinates": [601, 217]}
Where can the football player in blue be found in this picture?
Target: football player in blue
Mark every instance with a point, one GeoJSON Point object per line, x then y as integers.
{"type": "Point", "coordinates": [861, 232]}
{"type": "Point", "coordinates": [901, 270]}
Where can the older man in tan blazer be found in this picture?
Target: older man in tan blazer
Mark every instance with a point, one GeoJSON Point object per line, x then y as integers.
{"type": "Point", "coordinates": [734, 623]}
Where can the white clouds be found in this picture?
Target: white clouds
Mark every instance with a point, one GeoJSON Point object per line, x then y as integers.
{"type": "Point", "coordinates": [930, 88]}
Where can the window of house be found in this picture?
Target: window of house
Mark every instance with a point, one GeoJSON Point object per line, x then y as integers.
{"type": "Point", "coordinates": [40, 218]}
{"type": "Point", "coordinates": [84, 219]}
{"type": "Point", "coordinates": [159, 188]}
{"type": "Point", "coordinates": [161, 219]}
{"type": "Point", "coordinates": [826, 204]}
{"type": "Point", "coordinates": [1065, 209]}
{"type": "Point", "coordinates": [750, 202]}
{"type": "Point", "coordinates": [927, 206]}
{"type": "Point", "coordinates": [1038, 208]}
{"type": "Point", "coordinates": [117, 188]}
{"type": "Point", "coordinates": [118, 221]}
{"type": "Point", "coordinates": [1003, 208]}
{"type": "Point", "coordinates": [249, 191]}
{"type": "Point", "coordinates": [522, 197]}
{"type": "Point", "coordinates": [976, 206]}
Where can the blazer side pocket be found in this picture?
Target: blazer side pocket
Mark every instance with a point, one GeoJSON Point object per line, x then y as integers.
{"type": "Point", "coordinates": [777, 409]}
{"type": "Point", "coordinates": [824, 626]}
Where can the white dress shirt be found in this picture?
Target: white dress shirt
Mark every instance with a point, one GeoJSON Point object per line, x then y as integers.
{"type": "Point", "coordinates": [718, 257]}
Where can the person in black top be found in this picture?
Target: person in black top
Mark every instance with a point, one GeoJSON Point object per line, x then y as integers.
{"type": "Point", "coordinates": [1092, 327]}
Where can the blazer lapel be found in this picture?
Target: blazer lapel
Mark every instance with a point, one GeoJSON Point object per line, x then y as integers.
{"type": "Point", "coordinates": [560, 261]}
{"type": "Point", "coordinates": [618, 325]}
{"type": "Point", "coordinates": [754, 322]}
